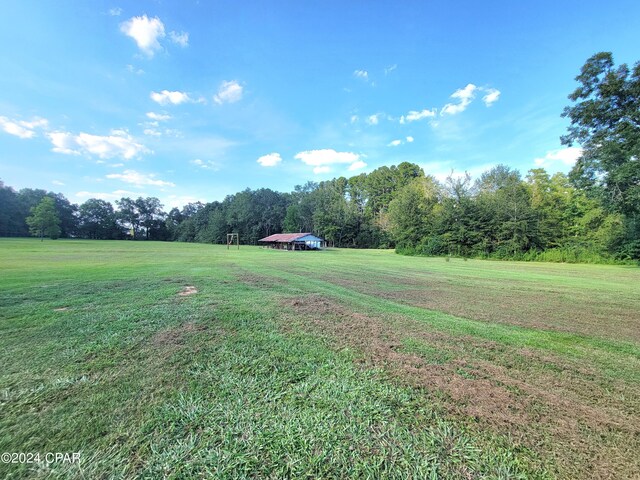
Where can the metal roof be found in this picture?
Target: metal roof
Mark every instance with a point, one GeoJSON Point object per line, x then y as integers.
{"type": "Point", "coordinates": [284, 237]}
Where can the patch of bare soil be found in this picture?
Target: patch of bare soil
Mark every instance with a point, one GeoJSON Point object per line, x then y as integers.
{"type": "Point", "coordinates": [166, 342]}
{"type": "Point", "coordinates": [188, 290]}
{"type": "Point", "coordinates": [549, 404]}
{"type": "Point", "coordinates": [381, 342]}
{"type": "Point", "coordinates": [510, 304]}
{"type": "Point", "coordinates": [259, 281]}
{"type": "Point", "coordinates": [175, 336]}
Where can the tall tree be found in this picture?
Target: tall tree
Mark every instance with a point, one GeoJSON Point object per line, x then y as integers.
{"type": "Point", "coordinates": [44, 219]}
{"type": "Point", "coordinates": [457, 219]}
{"type": "Point", "coordinates": [605, 121]}
{"type": "Point", "coordinates": [11, 218]}
{"type": "Point", "coordinates": [98, 220]}
{"type": "Point", "coordinates": [68, 213]}
{"type": "Point", "coordinates": [505, 212]}
{"type": "Point", "coordinates": [150, 215]}
{"type": "Point", "coordinates": [128, 215]}
{"type": "Point", "coordinates": [28, 198]}
{"type": "Point", "coordinates": [410, 212]}
{"type": "Point", "coordinates": [291, 222]}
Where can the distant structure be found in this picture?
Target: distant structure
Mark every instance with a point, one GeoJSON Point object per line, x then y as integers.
{"type": "Point", "coordinates": [231, 238]}
{"type": "Point", "coordinates": [293, 241]}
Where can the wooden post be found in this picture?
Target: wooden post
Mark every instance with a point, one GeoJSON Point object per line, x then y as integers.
{"type": "Point", "coordinates": [230, 237]}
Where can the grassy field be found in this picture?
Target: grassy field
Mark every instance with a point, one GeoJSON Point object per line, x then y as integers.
{"type": "Point", "coordinates": [167, 360]}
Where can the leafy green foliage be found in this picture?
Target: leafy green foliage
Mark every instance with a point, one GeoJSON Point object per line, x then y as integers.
{"type": "Point", "coordinates": [605, 121]}
{"type": "Point", "coordinates": [44, 220]}
{"type": "Point", "coordinates": [410, 212]}
{"type": "Point", "coordinates": [97, 220]}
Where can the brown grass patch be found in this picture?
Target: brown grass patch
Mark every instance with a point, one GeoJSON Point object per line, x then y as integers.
{"type": "Point", "coordinates": [188, 290]}
{"type": "Point", "coordinates": [381, 343]}
{"type": "Point", "coordinates": [564, 410]}
{"type": "Point", "coordinates": [508, 302]}
{"type": "Point", "coordinates": [175, 336]}
{"type": "Point", "coordinates": [259, 281]}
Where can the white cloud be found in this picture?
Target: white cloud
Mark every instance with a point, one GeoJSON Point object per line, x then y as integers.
{"type": "Point", "coordinates": [491, 97]}
{"type": "Point", "coordinates": [177, 201]}
{"type": "Point", "coordinates": [35, 123]}
{"type": "Point", "coordinates": [115, 195]}
{"type": "Point", "coordinates": [63, 142]}
{"type": "Point", "coordinates": [206, 165]}
{"type": "Point", "coordinates": [373, 119]}
{"type": "Point", "coordinates": [326, 156]}
{"type": "Point", "coordinates": [152, 128]}
{"type": "Point", "coordinates": [132, 69]}
{"type": "Point", "coordinates": [396, 143]}
{"type": "Point", "coordinates": [115, 12]}
{"type": "Point", "coordinates": [415, 115]}
{"type": "Point", "coordinates": [158, 117]}
{"type": "Point", "coordinates": [21, 128]}
{"type": "Point", "coordinates": [464, 96]}
{"type": "Point", "coordinates": [354, 119]}
{"type": "Point", "coordinates": [270, 160]}
{"type": "Point", "coordinates": [57, 182]}
{"type": "Point", "coordinates": [443, 169]}
{"type": "Point", "coordinates": [139, 179]}
{"type": "Point", "coordinates": [145, 31]}
{"type": "Point", "coordinates": [356, 165]}
{"type": "Point", "coordinates": [172, 132]}
{"type": "Point", "coordinates": [165, 97]}
{"type": "Point", "coordinates": [322, 159]}
{"type": "Point", "coordinates": [118, 144]}
{"type": "Point", "coordinates": [13, 128]}
{"type": "Point", "coordinates": [390, 69]}
{"type": "Point", "coordinates": [565, 156]}
{"type": "Point", "coordinates": [181, 38]}
{"type": "Point", "coordinates": [319, 170]}
{"type": "Point", "coordinates": [228, 92]}
{"type": "Point", "coordinates": [363, 74]}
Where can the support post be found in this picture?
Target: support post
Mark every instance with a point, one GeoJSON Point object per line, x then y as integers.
{"type": "Point", "coordinates": [231, 237]}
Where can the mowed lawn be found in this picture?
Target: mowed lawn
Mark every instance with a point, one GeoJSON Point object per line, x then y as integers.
{"type": "Point", "coordinates": [169, 360]}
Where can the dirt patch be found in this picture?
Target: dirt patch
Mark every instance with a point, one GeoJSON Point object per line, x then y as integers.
{"type": "Point", "coordinates": [509, 303]}
{"type": "Point", "coordinates": [561, 409]}
{"type": "Point", "coordinates": [175, 336]}
{"type": "Point", "coordinates": [188, 290]}
{"type": "Point", "coordinates": [260, 281]}
{"type": "Point", "coordinates": [382, 344]}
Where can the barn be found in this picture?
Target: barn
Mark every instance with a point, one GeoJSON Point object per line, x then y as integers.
{"type": "Point", "coordinates": [293, 241]}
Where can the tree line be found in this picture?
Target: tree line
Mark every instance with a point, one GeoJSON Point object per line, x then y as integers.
{"type": "Point", "coordinates": [592, 214]}
{"type": "Point", "coordinates": [500, 215]}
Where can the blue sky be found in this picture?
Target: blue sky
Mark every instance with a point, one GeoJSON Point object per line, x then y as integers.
{"type": "Point", "coordinates": [195, 100]}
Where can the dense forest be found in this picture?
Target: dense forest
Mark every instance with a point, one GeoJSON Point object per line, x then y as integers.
{"type": "Point", "coordinates": [592, 214]}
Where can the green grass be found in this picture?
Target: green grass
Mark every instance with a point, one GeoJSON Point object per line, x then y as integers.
{"type": "Point", "coordinates": [333, 364]}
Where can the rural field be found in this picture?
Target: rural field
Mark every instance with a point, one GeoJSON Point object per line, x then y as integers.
{"type": "Point", "coordinates": [176, 360]}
